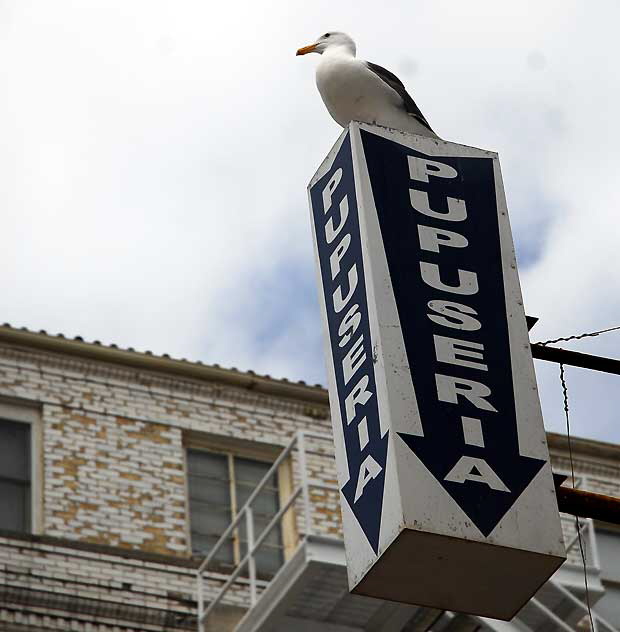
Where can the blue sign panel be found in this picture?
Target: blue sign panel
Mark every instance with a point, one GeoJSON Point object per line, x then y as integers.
{"type": "Point", "coordinates": [336, 222]}
{"type": "Point", "coordinates": [439, 225]}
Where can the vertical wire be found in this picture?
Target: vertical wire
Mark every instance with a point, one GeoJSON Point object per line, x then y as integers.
{"type": "Point", "coordinates": [572, 471]}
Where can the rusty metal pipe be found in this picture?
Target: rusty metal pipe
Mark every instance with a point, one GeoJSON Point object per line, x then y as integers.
{"type": "Point", "coordinates": [588, 504]}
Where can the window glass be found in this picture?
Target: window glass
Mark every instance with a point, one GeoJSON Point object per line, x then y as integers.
{"type": "Point", "coordinates": [219, 486]}
{"type": "Point", "coordinates": [14, 450]}
{"type": "Point", "coordinates": [209, 491]}
{"type": "Point", "coordinates": [248, 474]}
{"type": "Point", "coordinates": [12, 506]}
{"type": "Point", "coordinates": [608, 543]}
{"type": "Point", "coordinates": [14, 475]}
{"type": "Point", "coordinates": [210, 502]}
{"type": "Point", "coordinates": [208, 464]}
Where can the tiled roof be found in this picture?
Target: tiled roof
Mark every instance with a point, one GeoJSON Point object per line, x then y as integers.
{"type": "Point", "coordinates": [149, 360]}
{"type": "Point", "coordinates": [315, 394]}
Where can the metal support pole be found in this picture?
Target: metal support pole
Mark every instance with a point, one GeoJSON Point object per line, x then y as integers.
{"type": "Point", "coordinates": [575, 358]}
{"type": "Point", "coordinates": [249, 527]}
{"type": "Point", "coordinates": [594, 558]}
{"type": "Point", "coordinates": [305, 494]}
{"type": "Point", "coordinates": [551, 615]}
{"type": "Point", "coordinates": [201, 603]}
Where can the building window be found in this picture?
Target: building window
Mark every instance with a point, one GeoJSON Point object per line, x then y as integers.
{"type": "Point", "coordinates": [608, 542]}
{"type": "Point", "coordinates": [15, 476]}
{"type": "Point", "coordinates": [219, 484]}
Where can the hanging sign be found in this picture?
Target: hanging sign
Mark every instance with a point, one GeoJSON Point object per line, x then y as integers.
{"type": "Point", "coordinates": [447, 490]}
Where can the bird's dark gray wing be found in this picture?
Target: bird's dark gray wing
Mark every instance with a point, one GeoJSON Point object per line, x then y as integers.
{"type": "Point", "coordinates": [397, 85]}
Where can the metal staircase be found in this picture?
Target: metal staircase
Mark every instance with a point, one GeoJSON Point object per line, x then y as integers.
{"type": "Point", "coordinates": [560, 604]}
{"type": "Point", "coordinates": [310, 593]}
{"type": "Point", "coordinates": [556, 608]}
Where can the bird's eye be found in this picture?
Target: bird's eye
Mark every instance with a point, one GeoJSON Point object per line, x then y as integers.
{"type": "Point", "coordinates": [327, 35]}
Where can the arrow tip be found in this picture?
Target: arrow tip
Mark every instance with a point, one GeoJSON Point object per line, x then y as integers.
{"type": "Point", "coordinates": [484, 484]}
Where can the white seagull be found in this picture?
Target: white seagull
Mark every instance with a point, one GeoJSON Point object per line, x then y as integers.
{"type": "Point", "coordinates": [357, 90]}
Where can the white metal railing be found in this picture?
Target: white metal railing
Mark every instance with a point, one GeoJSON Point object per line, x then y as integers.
{"type": "Point", "coordinates": [585, 528]}
{"type": "Point", "coordinates": [600, 624]}
{"type": "Point", "coordinates": [592, 562]}
{"type": "Point", "coordinates": [301, 492]}
{"type": "Point", "coordinates": [586, 531]}
{"type": "Point", "coordinates": [254, 541]}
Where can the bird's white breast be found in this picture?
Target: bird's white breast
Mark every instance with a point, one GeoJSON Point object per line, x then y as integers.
{"type": "Point", "coordinates": [351, 91]}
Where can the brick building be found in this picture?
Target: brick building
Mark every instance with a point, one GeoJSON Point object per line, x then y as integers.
{"type": "Point", "coordinates": [119, 472]}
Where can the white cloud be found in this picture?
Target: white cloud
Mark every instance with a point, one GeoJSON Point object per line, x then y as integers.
{"type": "Point", "coordinates": [155, 158]}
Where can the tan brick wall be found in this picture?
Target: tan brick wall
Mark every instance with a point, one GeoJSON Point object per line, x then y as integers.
{"type": "Point", "coordinates": [113, 474]}
{"type": "Point", "coordinates": [114, 481]}
{"type": "Point", "coordinates": [65, 588]}
{"type": "Point", "coordinates": [113, 444]}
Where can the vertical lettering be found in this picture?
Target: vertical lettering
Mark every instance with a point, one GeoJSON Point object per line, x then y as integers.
{"type": "Point", "coordinates": [339, 302]}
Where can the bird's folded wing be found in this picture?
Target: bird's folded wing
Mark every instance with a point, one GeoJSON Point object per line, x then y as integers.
{"type": "Point", "coordinates": [397, 85]}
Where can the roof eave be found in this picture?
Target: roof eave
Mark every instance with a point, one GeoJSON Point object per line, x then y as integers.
{"type": "Point", "coordinates": [581, 446]}
{"type": "Point", "coordinates": [150, 362]}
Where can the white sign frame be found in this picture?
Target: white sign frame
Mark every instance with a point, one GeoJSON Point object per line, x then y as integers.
{"type": "Point", "coordinates": [412, 541]}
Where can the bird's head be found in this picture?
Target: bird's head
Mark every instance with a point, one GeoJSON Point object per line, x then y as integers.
{"type": "Point", "coordinates": [332, 39]}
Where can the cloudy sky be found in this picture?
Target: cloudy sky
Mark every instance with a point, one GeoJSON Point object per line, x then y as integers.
{"type": "Point", "coordinates": [155, 155]}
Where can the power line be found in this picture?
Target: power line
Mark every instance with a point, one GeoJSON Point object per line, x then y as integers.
{"type": "Point", "coordinates": [590, 334]}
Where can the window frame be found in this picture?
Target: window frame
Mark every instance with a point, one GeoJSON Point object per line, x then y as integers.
{"type": "Point", "coordinates": [608, 580]}
{"type": "Point", "coordinates": [253, 450]}
{"type": "Point", "coordinates": [23, 411]}
{"type": "Point", "coordinates": [611, 530]}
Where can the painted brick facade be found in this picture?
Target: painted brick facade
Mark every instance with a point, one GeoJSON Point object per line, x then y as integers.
{"type": "Point", "coordinates": [113, 476]}
{"type": "Point", "coordinates": [113, 443]}
{"type": "Point", "coordinates": [112, 527]}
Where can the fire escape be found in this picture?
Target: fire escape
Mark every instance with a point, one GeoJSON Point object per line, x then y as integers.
{"type": "Point", "coordinates": [309, 592]}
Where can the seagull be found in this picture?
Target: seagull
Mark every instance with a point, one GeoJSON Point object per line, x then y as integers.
{"type": "Point", "coordinates": [357, 90]}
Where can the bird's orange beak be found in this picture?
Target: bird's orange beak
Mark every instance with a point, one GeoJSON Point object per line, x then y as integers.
{"type": "Point", "coordinates": [306, 49]}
